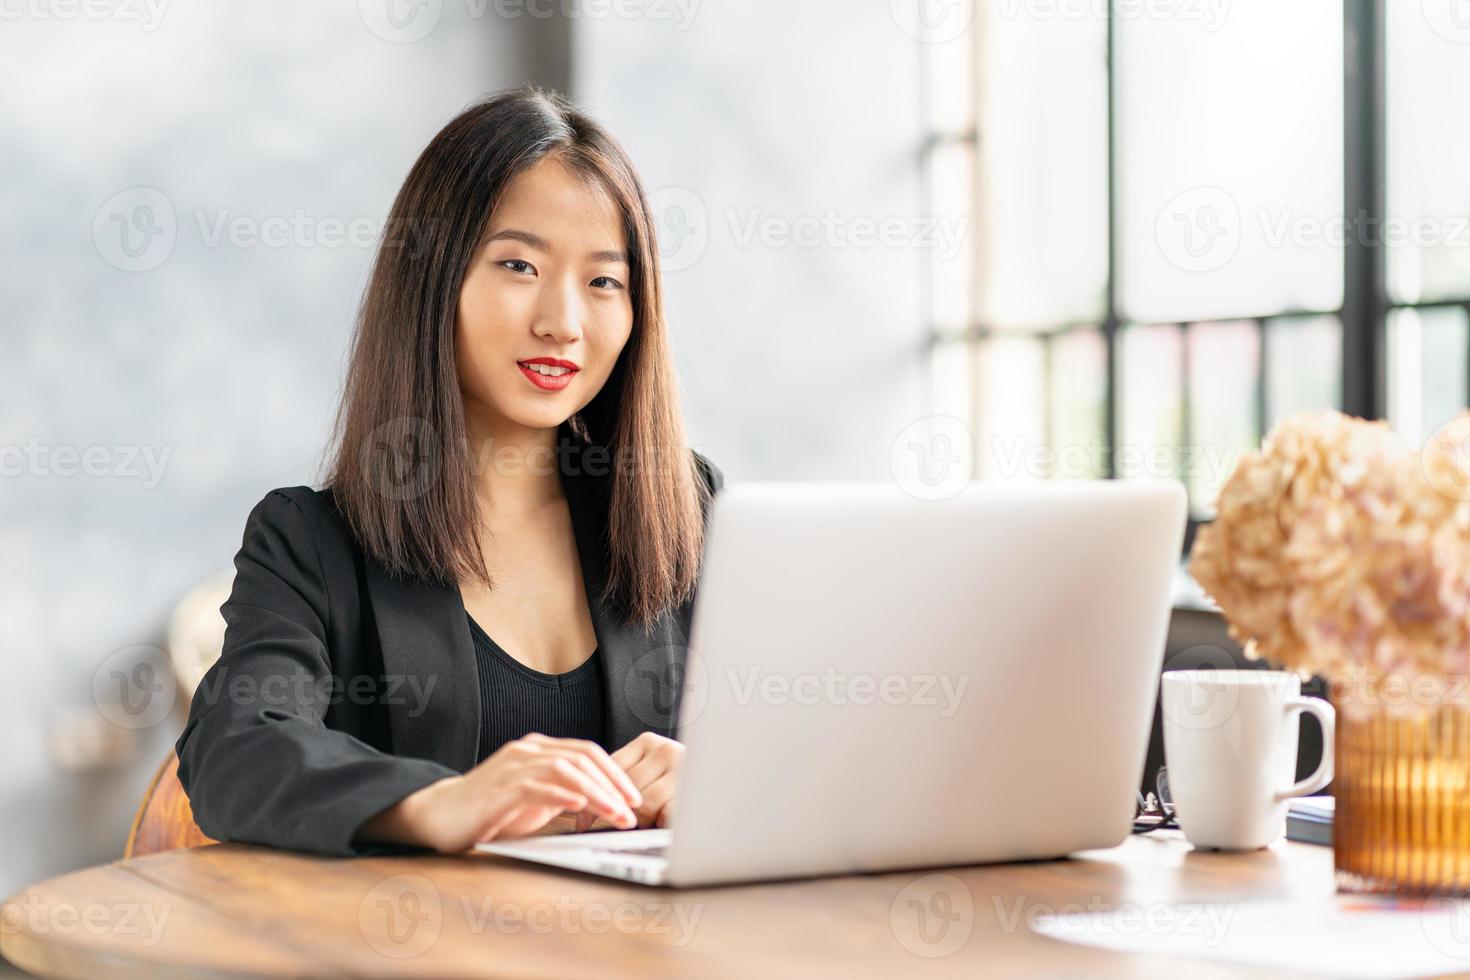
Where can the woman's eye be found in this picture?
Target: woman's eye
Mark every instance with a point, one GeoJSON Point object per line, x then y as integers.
{"type": "Point", "coordinates": [517, 265]}
{"type": "Point", "coordinates": [606, 282]}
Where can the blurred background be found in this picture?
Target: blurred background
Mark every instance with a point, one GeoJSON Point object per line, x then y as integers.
{"type": "Point", "coordinates": [1029, 239]}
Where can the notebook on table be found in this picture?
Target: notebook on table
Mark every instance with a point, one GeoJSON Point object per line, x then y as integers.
{"type": "Point", "coordinates": [1309, 820]}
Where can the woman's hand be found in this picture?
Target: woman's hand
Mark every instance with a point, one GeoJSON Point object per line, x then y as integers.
{"type": "Point", "coordinates": [514, 792]}
{"type": "Point", "coordinates": [652, 763]}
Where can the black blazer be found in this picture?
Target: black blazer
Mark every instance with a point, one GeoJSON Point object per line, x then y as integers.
{"type": "Point", "coordinates": [340, 690]}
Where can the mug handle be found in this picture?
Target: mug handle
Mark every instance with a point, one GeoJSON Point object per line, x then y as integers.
{"type": "Point", "coordinates": [1326, 716]}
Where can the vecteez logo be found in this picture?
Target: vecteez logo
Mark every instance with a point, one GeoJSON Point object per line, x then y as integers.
{"type": "Point", "coordinates": [400, 21]}
{"type": "Point", "coordinates": [135, 230]}
{"type": "Point", "coordinates": [1450, 19]}
{"type": "Point", "coordinates": [401, 916]}
{"type": "Point", "coordinates": [1199, 230]}
{"type": "Point", "coordinates": [932, 21]}
{"type": "Point", "coordinates": [933, 458]}
{"type": "Point", "coordinates": [148, 14]}
{"type": "Point", "coordinates": [933, 916]}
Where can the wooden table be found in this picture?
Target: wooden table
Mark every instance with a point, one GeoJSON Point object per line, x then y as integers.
{"type": "Point", "coordinates": [235, 909]}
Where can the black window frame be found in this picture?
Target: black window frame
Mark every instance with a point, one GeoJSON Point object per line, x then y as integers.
{"type": "Point", "coordinates": [1366, 306]}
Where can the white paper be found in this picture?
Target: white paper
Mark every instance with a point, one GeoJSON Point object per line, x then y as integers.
{"type": "Point", "coordinates": [1340, 935]}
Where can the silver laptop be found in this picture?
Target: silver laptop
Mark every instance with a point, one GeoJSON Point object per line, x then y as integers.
{"type": "Point", "coordinates": [877, 682]}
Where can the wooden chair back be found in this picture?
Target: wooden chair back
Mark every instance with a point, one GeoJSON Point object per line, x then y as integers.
{"type": "Point", "coordinates": [165, 821]}
{"type": "Point", "coordinates": [196, 633]}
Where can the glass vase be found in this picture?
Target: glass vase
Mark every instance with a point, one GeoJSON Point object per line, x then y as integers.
{"type": "Point", "coordinates": [1402, 784]}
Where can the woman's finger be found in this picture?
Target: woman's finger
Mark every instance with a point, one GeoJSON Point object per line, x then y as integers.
{"type": "Point", "coordinates": [655, 799]}
{"type": "Point", "coordinates": [650, 773]}
{"type": "Point", "coordinates": [594, 772]}
{"type": "Point", "coordinates": [550, 794]}
{"type": "Point", "coordinates": [628, 756]}
{"type": "Point", "coordinates": [563, 771]}
{"type": "Point", "coordinates": [574, 750]}
{"type": "Point", "coordinates": [594, 756]}
{"type": "Point", "coordinates": [531, 793]}
{"type": "Point", "coordinates": [587, 820]}
{"type": "Point", "coordinates": [646, 771]}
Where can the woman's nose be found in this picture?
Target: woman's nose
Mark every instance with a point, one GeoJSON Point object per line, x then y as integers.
{"type": "Point", "coordinates": [560, 315]}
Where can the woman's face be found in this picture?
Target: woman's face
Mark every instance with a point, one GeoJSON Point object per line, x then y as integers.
{"type": "Point", "coordinates": [548, 283]}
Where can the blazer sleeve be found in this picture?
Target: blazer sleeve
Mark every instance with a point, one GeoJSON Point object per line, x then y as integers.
{"type": "Point", "coordinates": [714, 477]}
{"type": "Point", "coordinates": [256, 758]}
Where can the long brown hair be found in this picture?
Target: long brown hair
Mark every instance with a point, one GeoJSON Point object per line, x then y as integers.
{"type": "Point", "coordinates": [402, 471]}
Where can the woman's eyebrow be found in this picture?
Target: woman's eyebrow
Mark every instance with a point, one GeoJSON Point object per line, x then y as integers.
{"type": "Point", "coordinates": [609, 255]}
{"type": "Point", "coordinates": [516, 235]}
{"type": "Point", "coordinates": [537, 242]}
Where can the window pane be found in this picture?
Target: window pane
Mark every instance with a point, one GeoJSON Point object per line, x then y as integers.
{"type": "Point", "coordinates": [1011, 428]}
{"type": "Point", "coordinates": [1303, 366]}
{"type": "Point", "coordinates": [951, 256]}
{"type": "Point", "coordinates": [1230, 160]}
{"type": "Point", "coordinates": [1428, 151]}
{"type": "Point", "coordinates": [1151, 417]}
{"type": "Point", "coordinates": [1041, 224]}
{"type": "Point", "coordinates": [950, 367]}
{"type": "Point", "coordinates": [1078, 398]}
{"type": "Point", "coordinates": [1427, 358]}
{"type": "Point", "coordinates": [949, 78]}
{"type": "Point", "coordinates": [1224, 369]}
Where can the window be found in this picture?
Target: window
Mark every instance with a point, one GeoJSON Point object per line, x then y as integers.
{"type": "Point", "coordinates": [1191, 220]}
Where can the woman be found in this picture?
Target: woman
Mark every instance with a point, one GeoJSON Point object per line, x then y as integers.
{"type": "Point", "coordinates": [480, 622]}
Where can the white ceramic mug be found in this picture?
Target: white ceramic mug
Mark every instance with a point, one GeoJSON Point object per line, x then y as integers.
{"type": "Point", "coordinates": [1230, 742]}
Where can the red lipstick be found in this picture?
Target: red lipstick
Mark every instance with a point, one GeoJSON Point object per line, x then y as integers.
{"type": "Point", "coordinates": [549, 382]}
